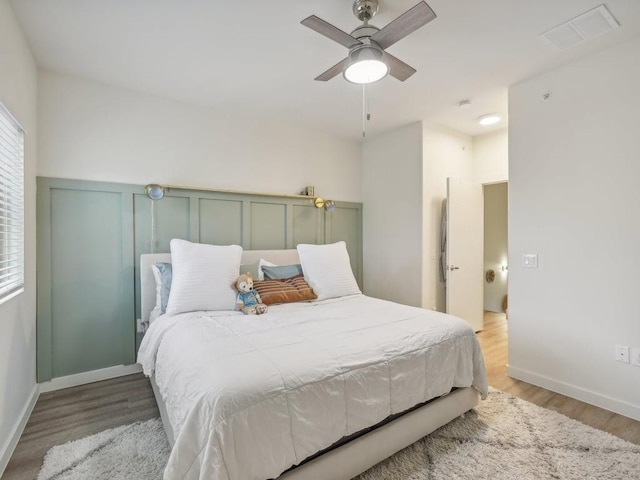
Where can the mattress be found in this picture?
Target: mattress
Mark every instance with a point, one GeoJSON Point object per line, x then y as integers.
{"type": "Point", "coordinates": [250, 396]}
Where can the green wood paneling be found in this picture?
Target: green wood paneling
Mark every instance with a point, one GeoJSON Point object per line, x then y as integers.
{"type": "Point", "coordinates": [90, 328]}
{"type": "Point", "coordinates": [305, 224]}
{"type": "Point", "coordinates": [170, 218]}
{"type": "Point", "coordinates": [220, 221]}
{"type": "Point", "coordinates": [345, 223]}
{"type": "Point", "coordinates": [43, 279]}
{"type": "Point", "coordinates": [91, 236]}
{"type": "Point", "coordinates": [268, 226]}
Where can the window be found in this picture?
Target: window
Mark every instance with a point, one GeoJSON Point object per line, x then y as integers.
{"type": "Point", "coordinates": [11, 204]}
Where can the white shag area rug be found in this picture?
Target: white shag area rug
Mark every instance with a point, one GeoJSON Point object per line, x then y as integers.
{"type": "Point", "coordinates": [503, 438]}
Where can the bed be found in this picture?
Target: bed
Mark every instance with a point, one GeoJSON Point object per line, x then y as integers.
{"type": "Point", "coordinates": [313, 390]}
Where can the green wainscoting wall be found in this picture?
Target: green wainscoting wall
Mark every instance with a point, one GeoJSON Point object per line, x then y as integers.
{"type": "Point", "coordinates": [91, 236]}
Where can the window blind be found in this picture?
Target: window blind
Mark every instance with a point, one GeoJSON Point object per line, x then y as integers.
{"type": "Point", "coordinates": [11, 204]}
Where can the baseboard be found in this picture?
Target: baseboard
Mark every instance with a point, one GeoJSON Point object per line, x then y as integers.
{"type": "Point", "coordinates": [89, 377]}
{"type": "Point", "coordinates": [573, 391]}
{"type": "Point", "coordinates": [21, 422]}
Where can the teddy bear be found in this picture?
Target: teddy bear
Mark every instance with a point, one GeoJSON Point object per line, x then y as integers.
{"type": "Point", "coordinates": [248, 300]}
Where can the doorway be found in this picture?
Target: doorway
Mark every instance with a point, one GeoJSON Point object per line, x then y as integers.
{"type": "Point", "coordinates": [496, 267]}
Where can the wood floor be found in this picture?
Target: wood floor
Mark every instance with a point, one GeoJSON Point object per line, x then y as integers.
{"type": "Point", "coordinates": [75, 412]}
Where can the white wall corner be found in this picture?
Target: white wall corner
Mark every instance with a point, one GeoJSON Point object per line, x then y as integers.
{"type": "Point", "coordinates": [392, 215]}
{"type": "Point", "coordinates": [21, 422]}
{"type": "Point", "coordinates": [18, 388]}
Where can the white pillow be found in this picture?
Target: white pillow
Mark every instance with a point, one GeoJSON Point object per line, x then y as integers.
{"type": "Point", "coordinates": [327, 270]}
{"type": "Point", "coordinates": [203, 276]}
{"type": "Point", "coordinates": [264, 263]}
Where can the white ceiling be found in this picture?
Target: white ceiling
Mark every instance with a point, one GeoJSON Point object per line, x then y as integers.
{"type": "Point", "coordinates": [254, 58]}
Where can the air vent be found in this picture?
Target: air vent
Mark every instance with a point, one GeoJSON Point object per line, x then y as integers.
{"type": "Point", "coordinates": [584, 27]}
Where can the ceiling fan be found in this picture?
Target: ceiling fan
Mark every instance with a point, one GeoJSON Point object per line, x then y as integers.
{"type": "Point", "coordinates": [367, 61]}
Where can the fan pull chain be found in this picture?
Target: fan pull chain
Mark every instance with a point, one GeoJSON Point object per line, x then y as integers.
{"type": "Point", "coordinates": [153, 226]}
{"type": "Point", "coordinates": [366, 116]}
{"type": "Point", "coordinates": [364, 111]}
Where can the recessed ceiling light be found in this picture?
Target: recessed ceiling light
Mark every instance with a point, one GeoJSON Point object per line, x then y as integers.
{"type": "Point", "coordinates": [489, 119]}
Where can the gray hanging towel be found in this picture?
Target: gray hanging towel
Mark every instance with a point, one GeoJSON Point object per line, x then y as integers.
{"type": "Point", "coordinates": [443, 242]}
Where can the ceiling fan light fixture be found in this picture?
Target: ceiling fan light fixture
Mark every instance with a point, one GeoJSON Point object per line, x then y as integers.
{"type": "Point", "coordinates": [366, 71]}
{"type": "Point", "coordinates": [366, 66]}
{"type": "Point", "coordinates": [371, 42]}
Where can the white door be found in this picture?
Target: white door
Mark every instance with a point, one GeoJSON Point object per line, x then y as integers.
{"type": "Point", "coordinates": [465, 238]}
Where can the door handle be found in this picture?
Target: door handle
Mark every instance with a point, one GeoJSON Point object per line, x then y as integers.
{"type": "Point", "coordinates": [453, 267]}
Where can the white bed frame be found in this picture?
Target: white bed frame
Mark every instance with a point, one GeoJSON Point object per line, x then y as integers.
{"type": "Point", "coordinates": [356, 456]}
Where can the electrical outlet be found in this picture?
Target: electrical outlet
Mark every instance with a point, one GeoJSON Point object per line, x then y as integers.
{"type": "Point", "coordinates": [140, 326]}
{"type": "Point", "coordinates": [622, 353]}
{"type": "Point", "coordinates": [635, 356]}
{"type": "Point", "coordinates": [530, 260]}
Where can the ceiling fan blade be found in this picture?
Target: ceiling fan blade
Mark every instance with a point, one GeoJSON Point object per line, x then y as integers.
{"type": "Point", "coordinates": [329, 31]}
{"type": "Point", "coordinates": [333, 71]}
{"type": "Point", "coordinates": [397, 68]}
{"type": "Point", "coordinates": [408, 22]}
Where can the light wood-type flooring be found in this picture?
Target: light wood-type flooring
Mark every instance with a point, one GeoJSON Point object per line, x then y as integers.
{"type": "Point", "coordinates": [75, 412]}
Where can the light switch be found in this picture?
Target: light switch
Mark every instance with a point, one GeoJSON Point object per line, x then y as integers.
{"type": "Point", "coordinates": [530, 260]}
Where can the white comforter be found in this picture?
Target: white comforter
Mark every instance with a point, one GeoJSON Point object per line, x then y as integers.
{"type": "Point", "coordinates": [250, 396]}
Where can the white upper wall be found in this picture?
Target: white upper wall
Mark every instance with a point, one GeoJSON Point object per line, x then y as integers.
{"type": "Point", "coordinates": [392, 215]}
{"type": "Point", "coordinates": [18, 92]}
{"type": "Point", "coordinates": [574, 201]}
{"type": "Point", "coordinates": [491, 157]}
{"type": "Point", "coordinates": [93, 131]}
